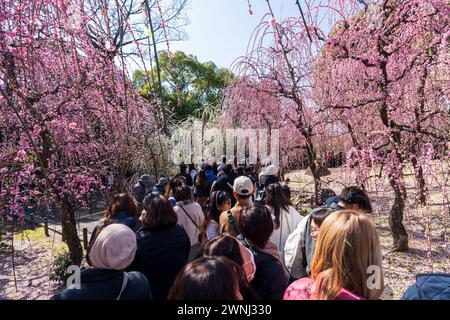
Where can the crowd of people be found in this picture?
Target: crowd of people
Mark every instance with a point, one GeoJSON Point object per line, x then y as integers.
{"type": "Point", "coordinates": [226, 233]}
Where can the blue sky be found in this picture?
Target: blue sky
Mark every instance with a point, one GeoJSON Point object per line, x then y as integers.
{"type": "Point", "coordinates": [219, 30]}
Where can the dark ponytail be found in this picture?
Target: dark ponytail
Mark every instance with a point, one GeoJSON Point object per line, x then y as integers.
{"type": "Point", "coordinates": [276, 198]}
{"type": "Point", "coordinates": [216, 199]}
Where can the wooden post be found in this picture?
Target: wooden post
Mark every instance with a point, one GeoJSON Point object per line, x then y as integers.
{"type": "Point", "coordinates": [32, 221]}
{"type": "Point", "coordinates": [85, 238]}
{"type": "Point", "coordinates": [46, 227]}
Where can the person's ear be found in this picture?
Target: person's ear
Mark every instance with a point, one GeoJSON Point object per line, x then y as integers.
{"type": "Point", "coordinates": [235, 194]}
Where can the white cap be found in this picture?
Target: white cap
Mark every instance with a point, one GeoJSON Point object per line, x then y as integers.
{"type": "Point", "coordinates": [269, 170]}
{"type": "Point", "coordinates": [243, 186]}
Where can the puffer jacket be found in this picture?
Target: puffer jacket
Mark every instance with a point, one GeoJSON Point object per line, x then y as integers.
{"type": "Point", "coordinates": [429, 286]}
{"type": "Point", "coordinates": [160, 255]}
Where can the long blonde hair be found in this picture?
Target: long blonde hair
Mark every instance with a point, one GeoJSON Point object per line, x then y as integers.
{"type": "Point", "coordinates": [347, 245]}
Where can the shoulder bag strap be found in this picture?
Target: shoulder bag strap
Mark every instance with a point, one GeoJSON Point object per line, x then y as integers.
{"type": "Point", "coordinates": [124, 285]}
{"type": "Point", "coordinates": [190, 217]}
{"type": "Point", "coordinates": [233, 223]}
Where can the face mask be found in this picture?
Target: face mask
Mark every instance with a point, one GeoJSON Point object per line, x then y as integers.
{"type": "Point", "coordinates": [249, 265]}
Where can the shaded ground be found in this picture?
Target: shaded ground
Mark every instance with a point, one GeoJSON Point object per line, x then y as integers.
{"type": "Point", "coordinates": [33, 257]}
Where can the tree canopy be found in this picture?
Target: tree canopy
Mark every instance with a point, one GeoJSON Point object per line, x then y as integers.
{"type": "Point", "coordinates": [189, 87]}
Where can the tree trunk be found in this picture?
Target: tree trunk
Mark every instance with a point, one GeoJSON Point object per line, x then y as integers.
{"type": "Point", "coordinates": [396, 215]}
{"type": "Point", "coordinates": [317, 191]}
{"type": "Point", "coordinates": [312, 156]}
{"type": "Point", "coordinates": [282, 176]}
{"type": "Point", "coordinates": [421, 196]}
{"type": "Point", "coordinates": [396, 219]}
{"type": "Point", "coordinates": [69, 230]}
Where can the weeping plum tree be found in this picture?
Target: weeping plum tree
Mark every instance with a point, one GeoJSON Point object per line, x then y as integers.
{"type": "Point", "coordinates": [387, 64]}
{"type": "Point", "coordinates": [275, 88]}
{"type": "Point", "coordinates": [67, 117]}
{"type": "Point", "coordinates": [372, 84]}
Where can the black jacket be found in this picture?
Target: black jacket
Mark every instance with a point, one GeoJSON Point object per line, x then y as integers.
{"type": "Point", "coordinates": [270, 281]}
{"type": "Point", "coordinates": [103, 284]}
{"type": "Point", "coordinates": [160, 255]}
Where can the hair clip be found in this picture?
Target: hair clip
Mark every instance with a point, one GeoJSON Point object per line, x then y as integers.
{"type": "Point", "coordinates": [347, 243]}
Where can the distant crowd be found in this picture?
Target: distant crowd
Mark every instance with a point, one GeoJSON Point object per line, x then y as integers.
{"type": "Point", "coordinates": [226, 232]}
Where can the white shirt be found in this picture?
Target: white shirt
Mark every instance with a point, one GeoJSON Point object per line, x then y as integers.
{"type": "Point", "coordinates": [196, 213]}
{"type": "Point", "coordinates": [288, 222]}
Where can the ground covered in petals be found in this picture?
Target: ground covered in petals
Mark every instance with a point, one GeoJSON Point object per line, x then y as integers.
{"type": "Point", "coordinates": [33, 258]}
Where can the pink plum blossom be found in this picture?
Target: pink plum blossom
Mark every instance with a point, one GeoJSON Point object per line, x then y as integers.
{"type": "Point", "coordinates": [73, 125]}
{"type": "Point", "coordinates": [21, 154]}
{"type": "Point", "coordinates": [272, 22]}
{"type": "Point", "coordinates": [36, 130]}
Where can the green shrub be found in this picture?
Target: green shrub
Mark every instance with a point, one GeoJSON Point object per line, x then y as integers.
{"type": "Point", "coordinates": [60, 264]}
{"type": "Point", "coordinates": [5, 247]}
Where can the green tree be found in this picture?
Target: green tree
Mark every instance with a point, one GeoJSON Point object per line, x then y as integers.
{"type": "Point", "coordinates": [190, 87]}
